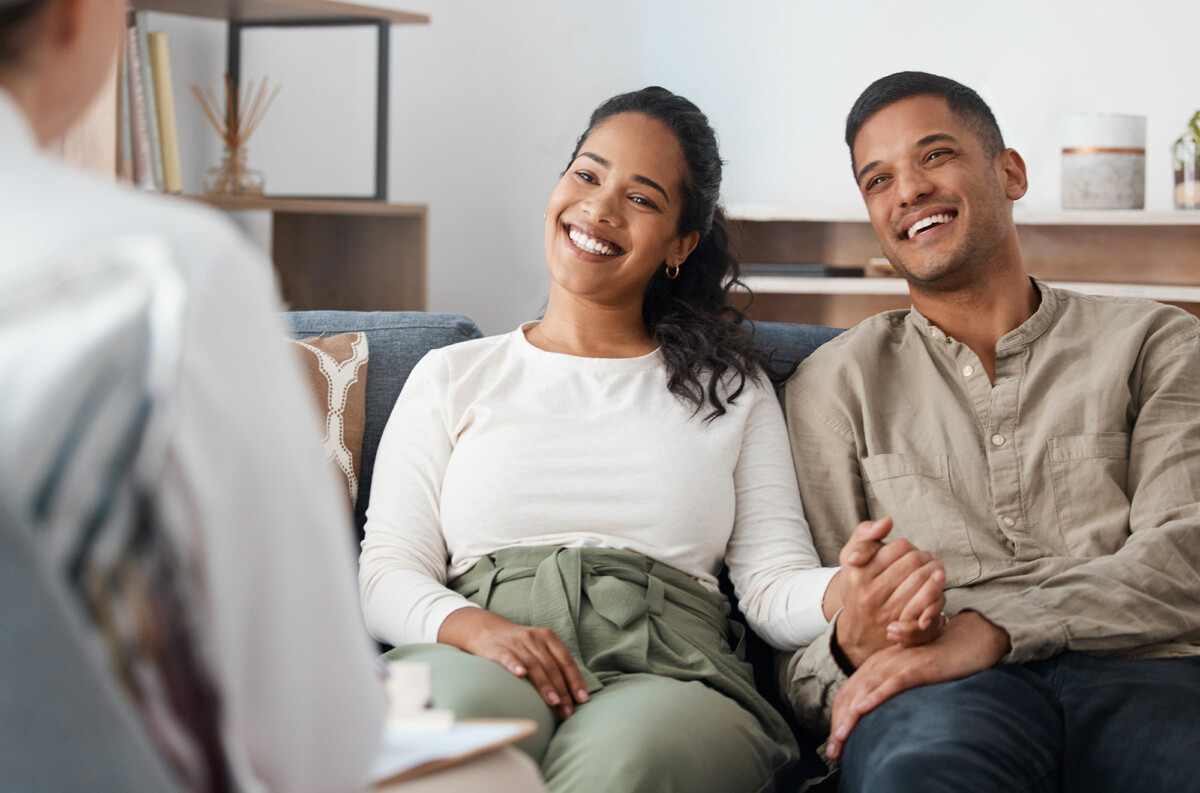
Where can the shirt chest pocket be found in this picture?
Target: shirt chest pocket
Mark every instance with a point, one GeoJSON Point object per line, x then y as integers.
{"type": "Point", "coordinates": [1090, 476]}
{"type": "Point", "coordinates": [916, 492]}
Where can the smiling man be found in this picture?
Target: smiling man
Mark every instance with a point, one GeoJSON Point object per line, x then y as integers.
{"type": "Point", "coordinates": [1045, 445]}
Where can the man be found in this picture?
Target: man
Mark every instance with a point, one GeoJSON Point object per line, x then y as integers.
{"type": "Point", "coordinates": [1045, 446]}
{"type": "Point", "coordinates": [206, 591]}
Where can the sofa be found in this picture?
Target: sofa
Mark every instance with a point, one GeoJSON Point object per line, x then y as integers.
{"type": "Point", "coordinates": [397, 340]}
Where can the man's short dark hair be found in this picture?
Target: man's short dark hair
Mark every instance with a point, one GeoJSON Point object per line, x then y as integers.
{"type": "Point", "coordinates": [963, 102]}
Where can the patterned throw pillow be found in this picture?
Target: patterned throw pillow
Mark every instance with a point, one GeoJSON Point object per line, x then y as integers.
{"type": "Point", "coordinates": [337, 370]}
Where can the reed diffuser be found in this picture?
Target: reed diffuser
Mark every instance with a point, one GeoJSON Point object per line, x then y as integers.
{"type": "Point", "coordinates": [243, 111]}
{"type": "Point", "coordinates": [1187, 166]}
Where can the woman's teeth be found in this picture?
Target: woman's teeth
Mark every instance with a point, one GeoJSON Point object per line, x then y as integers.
{"type": "Point", "coordinates": [591, 244]}
{"type": "Point", "coordinates": [925, 223]}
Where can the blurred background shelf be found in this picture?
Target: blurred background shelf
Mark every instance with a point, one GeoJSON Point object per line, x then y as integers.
{"type": "Point", "coordinates": [272, 10]}
{"type": "Point", "coordinates": [1129, 253]}
{"type": "Point", "coordinates": [343, 254]}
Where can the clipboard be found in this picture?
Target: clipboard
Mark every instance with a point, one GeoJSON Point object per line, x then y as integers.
{"type": "Point", "coordinates": [406, 755]}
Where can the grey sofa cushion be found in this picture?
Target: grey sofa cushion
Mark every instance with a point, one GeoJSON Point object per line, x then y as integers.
{"type": "Point", "coordinates": [396, 340]}
{"type": "Point", "coordinates": [791, 342]}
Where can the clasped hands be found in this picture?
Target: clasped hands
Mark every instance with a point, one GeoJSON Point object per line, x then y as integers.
{"type": "Point", "coordinates": [892, 632]}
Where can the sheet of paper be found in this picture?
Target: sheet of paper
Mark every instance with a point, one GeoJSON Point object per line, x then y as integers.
{"type": "Point", "coordinates": [403, 751]}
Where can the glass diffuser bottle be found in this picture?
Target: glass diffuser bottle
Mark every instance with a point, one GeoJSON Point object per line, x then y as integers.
{"type": "Point", "coordinates": [1187, 166]}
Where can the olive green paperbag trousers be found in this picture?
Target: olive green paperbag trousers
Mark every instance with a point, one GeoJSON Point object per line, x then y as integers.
{"type": "Point", "coordinates": [672, 704]}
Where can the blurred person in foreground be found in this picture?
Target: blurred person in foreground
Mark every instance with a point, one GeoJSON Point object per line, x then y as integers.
{"type": "Point", "coordinates": [175, 505]}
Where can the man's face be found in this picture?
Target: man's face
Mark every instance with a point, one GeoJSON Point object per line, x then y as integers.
{"type": "Point", "coordinates": [940, 206]}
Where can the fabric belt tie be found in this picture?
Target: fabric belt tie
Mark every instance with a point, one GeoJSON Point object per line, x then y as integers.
{"type": "Point", "coordinates": [618, 613]}
{"type": "Point", "coordinates": [621, 587]}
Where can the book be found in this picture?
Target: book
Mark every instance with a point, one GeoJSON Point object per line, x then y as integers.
{"type": "Point", "coordinates": [164, 100]}
{"type": "Point", "coordinates": [125, 139]}
{"type": "Point", "coordinates": [142, 52]}
{"type": "Point", "coordinates": [139, 130]}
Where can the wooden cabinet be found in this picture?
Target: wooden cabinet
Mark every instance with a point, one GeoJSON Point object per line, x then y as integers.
{"type": "Point", "coordinates": [344, 255]}
{"type": "Point", "coordinates": [1125, 253]}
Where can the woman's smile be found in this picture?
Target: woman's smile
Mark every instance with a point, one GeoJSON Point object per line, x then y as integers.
{"type": "Point", "coordinates": [586, 241]}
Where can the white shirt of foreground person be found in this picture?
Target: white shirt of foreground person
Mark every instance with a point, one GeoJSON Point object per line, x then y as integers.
{"type": "Point", "coordinates": [244, 488]}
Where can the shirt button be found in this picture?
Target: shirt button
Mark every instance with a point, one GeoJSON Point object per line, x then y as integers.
{"type": "Point", "coordinates": [1008, 522]}
{"type": "Point", "coordinates": [997, 440]}
{"type": "Point", "coordinates": [968, 370]}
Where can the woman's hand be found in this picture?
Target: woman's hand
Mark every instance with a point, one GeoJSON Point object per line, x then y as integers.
{"type": "Point", "coordinates": [890, 593]}
{"type": "Point", "coordinates": [533, 653]}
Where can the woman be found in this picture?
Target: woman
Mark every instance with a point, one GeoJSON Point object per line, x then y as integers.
{"type": "Point", "coordinates": [588, 475]}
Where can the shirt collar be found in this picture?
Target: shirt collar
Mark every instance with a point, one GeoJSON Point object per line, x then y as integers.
{"type": "Point", "coordinates": [16, 134]}
{"type": "Point", "coordinates": [1029, 330]}
{"type": "Point", "coordinates": [1025, 333]}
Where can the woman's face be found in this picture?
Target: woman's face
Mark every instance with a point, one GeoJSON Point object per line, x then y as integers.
{"type": "Point", "coordinates": [613, 218]}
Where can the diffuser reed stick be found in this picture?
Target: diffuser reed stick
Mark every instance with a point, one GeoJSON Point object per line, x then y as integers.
{"type": "Point", "coordinates": [243, 110]}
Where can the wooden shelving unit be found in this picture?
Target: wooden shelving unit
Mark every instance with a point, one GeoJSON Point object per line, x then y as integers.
{"type": "Point", "coordinates": [274, 10]}
{"type": "Point", "coordinates": [345, 254]}
{"type": "Point", "coordinates": [1124, 253]}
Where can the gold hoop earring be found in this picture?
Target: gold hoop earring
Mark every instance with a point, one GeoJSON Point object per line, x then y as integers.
{"type": "Point", "coordinates": [672, 271]}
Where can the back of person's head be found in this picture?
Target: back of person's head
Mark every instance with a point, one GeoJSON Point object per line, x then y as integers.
{"type": "Point", "coordinates": [17, 20]}
{"type": "Point", "coordinates": [963, 102]}
{"type": "Point", "coordinates": [55, 56]}
{"type": "Point", "coordinates": [701, 336]}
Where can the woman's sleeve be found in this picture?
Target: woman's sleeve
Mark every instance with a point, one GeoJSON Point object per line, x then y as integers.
{"type": "Point", "coordinates": [772, 563]}
{"type": "Point", "coordinates": [402, 568]}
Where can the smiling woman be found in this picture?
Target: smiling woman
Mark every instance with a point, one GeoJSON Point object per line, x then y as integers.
{"type": "Point", "coordinates": [637, 249]}
{"type": "Point", "coordinates": [551, 507]}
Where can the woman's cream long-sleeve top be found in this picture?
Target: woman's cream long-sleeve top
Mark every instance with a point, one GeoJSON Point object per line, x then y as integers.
{"type": "Point", "coordinates": [495, 443]}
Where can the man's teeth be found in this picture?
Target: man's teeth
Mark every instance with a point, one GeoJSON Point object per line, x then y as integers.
{"type": "Point", "coordinates": [591, 244]}
{"type": "Point", "coordinates": [925, 223]}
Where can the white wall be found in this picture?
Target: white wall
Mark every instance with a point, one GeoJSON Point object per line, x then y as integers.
{"type": "Point", "coordinates": [779, 77]}
{"type": "Point", "coordinates": [488, 99]}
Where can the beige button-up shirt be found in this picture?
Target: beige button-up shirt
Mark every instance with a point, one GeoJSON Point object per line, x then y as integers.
{"type": "Point", "coordinates": [1063, 500]}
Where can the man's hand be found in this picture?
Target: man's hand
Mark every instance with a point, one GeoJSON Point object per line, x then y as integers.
{"type": "Point", "coordinates": [534, 653]}
{"type": "Point", "coordinates": [969, 644]}
{"type": "Point", "coordinates": [891, 594]}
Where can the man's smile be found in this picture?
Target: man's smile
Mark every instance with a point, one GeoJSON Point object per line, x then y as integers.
{"type": "Point", "coordinates": [928, 222]}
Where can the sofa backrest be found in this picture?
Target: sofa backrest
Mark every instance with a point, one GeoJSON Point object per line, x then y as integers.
{"type": "Point", "coordinates": [396, 340]}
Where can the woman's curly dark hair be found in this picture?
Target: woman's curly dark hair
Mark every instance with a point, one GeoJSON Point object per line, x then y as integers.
{"type": "Point", "coordinates": [704, 339]}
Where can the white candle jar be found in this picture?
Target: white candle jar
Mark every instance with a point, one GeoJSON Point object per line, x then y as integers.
{"type": "Point", "coordinates": [1103, 161]}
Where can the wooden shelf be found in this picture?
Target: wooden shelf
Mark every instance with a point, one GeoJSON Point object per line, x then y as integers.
{"type": "Point", "coordinates": [1110, 217]}
{"type": "Point", "coordinates": [313, 206]}
{"type": "Point", "coordinates": [1132, 253]}
{"type": "Point", "coordinates": [278, 10]}
{"type": "Point", "coordinates": [799, 285]}
{"type": "Point", "coordinates": [340, 254]}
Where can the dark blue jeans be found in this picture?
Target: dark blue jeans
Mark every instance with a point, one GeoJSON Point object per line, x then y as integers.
{"type": "Point", "coordinates": [1070, 723]}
